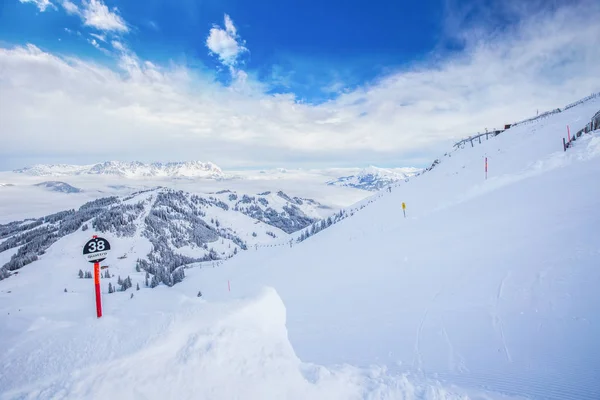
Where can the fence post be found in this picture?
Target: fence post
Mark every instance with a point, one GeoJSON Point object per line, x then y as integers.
{"type": "Point", "coordinates": [564, 145]}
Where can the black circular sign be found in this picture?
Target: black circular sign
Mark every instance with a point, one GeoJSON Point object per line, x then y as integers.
{"type": "Point", "coordinates": [96, 249]}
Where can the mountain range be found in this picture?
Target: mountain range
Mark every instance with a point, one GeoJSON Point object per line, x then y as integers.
{"type": "Point", "coordinates": [369, 179]}
{"type": "Point", "coordinates": [133, 169]}
{"type": "Point", "coordinates": [373, 178]}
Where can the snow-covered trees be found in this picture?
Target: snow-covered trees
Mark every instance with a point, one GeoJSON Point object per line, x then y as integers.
{"type": "Point", "coordinates": [33, 239]}
{"type": "Point", "coordinates": [175, 219]}
{"type": "Point", "coordinates": [323, 224]}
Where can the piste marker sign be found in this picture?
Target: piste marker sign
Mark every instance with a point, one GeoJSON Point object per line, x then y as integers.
{"type": "Point", "coordinates": [96, 250]}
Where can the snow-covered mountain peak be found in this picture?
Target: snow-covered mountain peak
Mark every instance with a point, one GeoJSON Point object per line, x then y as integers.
{"type": "Point", "coordinates": [374, 178]}
{"type": "Point", "coordinates": [133, 169]}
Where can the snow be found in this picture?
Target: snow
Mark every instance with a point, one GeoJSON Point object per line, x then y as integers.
{"type": "Point", "coordinates": [486, 290]}
{"type": "Point", "coordinates": [24, 200]}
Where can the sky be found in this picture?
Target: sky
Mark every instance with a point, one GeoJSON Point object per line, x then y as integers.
{"type": "Point", "coordinates": [293, 84]}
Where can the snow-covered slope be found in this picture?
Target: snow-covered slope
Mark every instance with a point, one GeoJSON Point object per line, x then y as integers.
{"type": "Point", "coordinates": [486, 283]}
{"type": "Point", "coordinates": [486, 286]}
{"type": "Point", "coordinates": [177, 228]}
{"type": "Point", "coordinates": [129, 169]}
{"type": "Point", "coordinates": [373, 178]}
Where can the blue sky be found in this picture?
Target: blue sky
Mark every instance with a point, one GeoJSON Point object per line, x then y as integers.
{"type": "Point", "coordinates": [282, 83]}
{"type": "Point", "coordinates": [304, 47]}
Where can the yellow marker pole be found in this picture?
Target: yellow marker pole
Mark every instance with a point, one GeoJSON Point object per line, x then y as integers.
{"type": "Point", "coordinates": [404, 209]}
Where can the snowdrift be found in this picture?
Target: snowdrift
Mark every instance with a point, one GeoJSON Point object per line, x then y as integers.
{"type": "Point", "coordinates": [228, 350]}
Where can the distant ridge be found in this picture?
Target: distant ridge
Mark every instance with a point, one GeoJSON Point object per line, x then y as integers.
{"type": "Point", "coordinates": [132, 169]}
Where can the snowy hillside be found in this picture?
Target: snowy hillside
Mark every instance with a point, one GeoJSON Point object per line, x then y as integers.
{"type": "Point", "coordinates": [374, 178]}
{"type": "Point", "coordinates": [487, 289]}
{"type": "Point", "coordinates": [486, 283]}
{"type": "Point", "coordinates": [176, 228]}
{"type": "Point", "coordinates": [129, 169]}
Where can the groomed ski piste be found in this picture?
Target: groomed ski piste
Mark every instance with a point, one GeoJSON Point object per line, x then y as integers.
{"type": "Point", "coordinates": [488, 289]}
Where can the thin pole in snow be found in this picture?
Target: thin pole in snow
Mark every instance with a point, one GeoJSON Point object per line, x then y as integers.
{"type": "Point", "coordinates": [486, 168]}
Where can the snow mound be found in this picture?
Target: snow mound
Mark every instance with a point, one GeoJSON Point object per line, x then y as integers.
{"type": "Point", "coordinates": [231, 350]}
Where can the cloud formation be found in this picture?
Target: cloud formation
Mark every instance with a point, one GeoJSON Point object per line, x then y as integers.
{"type": "Point", "coordinates": [42, 5]}
{"type": "Point", "coordinates": [99, 37]}
{"type": "Point", "coordinates": [95, 14]}
{"type": "Point", "coordinates": [69, 7]}
{"type": "Point", "coordinates": [149, 112]}
{"type": "Point", "coordinates": [226, 43]}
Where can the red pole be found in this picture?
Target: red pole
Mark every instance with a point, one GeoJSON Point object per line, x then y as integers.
{"type": "Point", "coordinates": [568, 134]}
{"type": "Point", "coordinates": [97, 284]}
{"type": "Point", "coordinates": [486, 168]}
{"type": "Point", "coordinates": [228, 286]}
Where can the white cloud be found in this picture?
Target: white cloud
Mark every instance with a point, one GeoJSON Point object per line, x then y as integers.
{"type": "Point", "coordinates": [70, 7]}
{"type": "Point", "coordinates": [42, 5]}
{"type": "Point", "coordinates": [147, 111]}
{"type": "Point", "coordinates": [97, 15]}
{"type": "Point", "coordinates": [99, 37]}
{"type": "Point", "coordinates": [225, 43]}
{"type": "Point", "coordinates": [94, 43]}
{"type": "Point", "coordinates": [229, 27]}
{"type": "Point", "coordinates": [118, 45]}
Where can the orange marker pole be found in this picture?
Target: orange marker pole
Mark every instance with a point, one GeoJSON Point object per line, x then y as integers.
{"type": "Point", "coordinates": [486, 168]}
{"type": "Point", "coordinates": [97, 284]}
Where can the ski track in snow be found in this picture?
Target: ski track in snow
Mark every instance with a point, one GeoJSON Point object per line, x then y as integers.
{"type": "Point", "coordinates": [497, 320]}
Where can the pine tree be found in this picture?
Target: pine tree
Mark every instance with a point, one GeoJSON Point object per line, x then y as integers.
{"type": "Point", "coordinates": [80, 274]}
{"type": "Point", "coordinates": [137, 286]}
{"type": "Point", "coordinates": [137, 268]}
{"type": "Point", "coordinates": [110, 288]}
{"type": "Point", "coordinates": [131, 296]}
{"type": "Point", "coordinates": [65, 290]}
{"type": "Point", "coordinates": [119, 280]}
{"type": "Point", "coordinates": [199, 294]}
{"type": "Point", "coordinates": [146, 281]}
